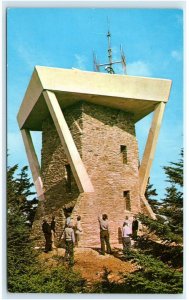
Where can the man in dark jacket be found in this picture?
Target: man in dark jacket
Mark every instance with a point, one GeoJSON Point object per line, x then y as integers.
{"type": "Point", "coordinates": [134, 228]}
{"type": "Point", "coordinates": [53, 225]}
{"type": "Point", "coordinates": [46, 228]}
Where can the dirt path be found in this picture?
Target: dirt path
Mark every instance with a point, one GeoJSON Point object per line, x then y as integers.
{"type": "Point", "coordinates": [91, 264]}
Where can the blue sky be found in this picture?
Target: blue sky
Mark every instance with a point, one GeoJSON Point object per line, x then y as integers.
{"type": "Point", "coordinates": [62, 37]}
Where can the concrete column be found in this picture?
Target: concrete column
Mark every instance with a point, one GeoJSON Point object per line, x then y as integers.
{"type": "Point", "coordinates": [33, 162]}
{"type": "Point", "coordinates": [80, 174]}
{"type": "Point", "coordinates": [148, 156]}
{"type": "Point", "coordinates": [148, 207]}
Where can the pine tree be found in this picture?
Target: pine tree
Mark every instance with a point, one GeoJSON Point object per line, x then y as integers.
{"type": "Point", "coordinates": [174, 172]}
{"type": "Point", "coordinates": [160, 257]}
{"type": "Point", "coordinates": [172, 204]}
{"type": "Point", "coordinates": [150, 195]}
{"type": "Point", "coordinates": [19, 189]}
{"type": "Point", "coordinates": [25, 272]}
{"type": "Point", "coordinates": [19, 248]}
{"type": "Point", "coordinates": [169, 226]}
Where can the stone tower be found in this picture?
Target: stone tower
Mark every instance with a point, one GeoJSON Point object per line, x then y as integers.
{"type": "Point", "coordinates": [89, 160]}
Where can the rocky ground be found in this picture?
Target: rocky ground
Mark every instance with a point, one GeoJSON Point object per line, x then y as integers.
{"type": "Point", "coordinates": [91, 264]}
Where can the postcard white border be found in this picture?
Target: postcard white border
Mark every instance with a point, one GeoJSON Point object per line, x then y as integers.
{"type": "Point", "coordinates": [88, 4]}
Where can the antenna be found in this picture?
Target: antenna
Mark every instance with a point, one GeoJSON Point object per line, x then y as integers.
{"type": "Point", "coordinates": [109, 66]}
{"type": "Point", "coordinates": [123, 60]}
{"type": "Point", "coordinates": [95, 64]}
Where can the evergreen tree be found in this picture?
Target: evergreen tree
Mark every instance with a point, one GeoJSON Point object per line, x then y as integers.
{"type": "Point", "coordinates": [19, 249]}
{"type": "Point", "coordinates": [150, 195]}
{"type": "Point", "coordinates": [174, 172]}
{"type": "Point", "coordinates": [169, 227]}
{"type": "Point", "coordinates": [160, 256]}
{"type": "Point", "coordinates": [25, 272]}
{"type": "Point", "coordinates": [172, 205]}
{"type": "Point", "coordinates": [19, 189]}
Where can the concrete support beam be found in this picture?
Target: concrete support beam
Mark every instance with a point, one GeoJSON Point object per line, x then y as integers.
{"type": "Point", "coordinates": [148, 156]}
{"type": "Point", "coordinates": [33, 162]}
{"type": "Point", "coordinates": [80, 174]}
{"type": "Point", "coordinates": [148, 208]}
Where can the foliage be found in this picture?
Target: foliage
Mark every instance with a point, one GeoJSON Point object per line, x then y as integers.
{"type": "Point", "coordinates": [151, 276]}
{"type": "Point", "coordinates": [25, 272]}
{"type": "Point", "coordinates": [170, 226]}
{"type": "Point", "coordinates": [158, 254]}
{"type": "Point", "coordinates": [18, 188]}
{"type": "Point", "coordinates": [174, 172]}
{"type": "Point", "coordinates": [158, 260]}
{"type": "Point", "coordinates": [167, 253]}
{"type": "Point", "coordinates": [162, 230]}
{"type": "Point", "coordinates": [162, 253]}
{"type": "Point", "coordinates": [18, 191]}
{"type": "Point", "coordinates": [172, 208]}
{"type": "Point", "coordinates": [172, 205]}
{"type": "Point", "coordinates": [150, 195]}
{"type": "Point", "coordinates": [19, 249]}
{"type": "Point", "coordinates": [57, 280]}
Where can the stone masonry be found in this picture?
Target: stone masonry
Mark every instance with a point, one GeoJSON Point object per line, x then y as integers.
{"type": "Point", "coordinates": [106, 141]}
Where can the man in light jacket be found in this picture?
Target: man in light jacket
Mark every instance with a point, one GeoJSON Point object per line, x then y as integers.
{"type": "Point", "coordinates": [69, 238]}
{"type": "Point", "coordinates": [104, 234]}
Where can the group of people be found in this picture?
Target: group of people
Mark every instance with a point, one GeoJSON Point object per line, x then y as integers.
{"type": "Point", "coordinates": [71, 235]}
{"type": "Point", "coordinates": [129, 230]}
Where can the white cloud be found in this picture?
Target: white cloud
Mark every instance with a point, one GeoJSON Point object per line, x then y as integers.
{"type": "Point", "coordinates": [26, 55]}
{"type": "Point", "coordinates": [80, 61]}
{"type": "Point", "coordinates": [31, 57]}
{"type": "Point", "coordinates": [176, 55]}
{"type": "Point", "coordinates": [139, 68]}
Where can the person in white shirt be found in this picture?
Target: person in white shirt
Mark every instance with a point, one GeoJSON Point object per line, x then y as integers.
{"type": "Point", "coordinates": [78, 230]}
{"type": "Point", "coordinates": [126, 240]}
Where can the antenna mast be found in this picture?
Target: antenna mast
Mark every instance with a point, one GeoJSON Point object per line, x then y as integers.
{"type": "Point", "coordinates": [109, 66]}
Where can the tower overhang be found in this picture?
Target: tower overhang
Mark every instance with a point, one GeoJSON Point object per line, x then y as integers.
{"type": "Point", "coordinates": [136, 95]}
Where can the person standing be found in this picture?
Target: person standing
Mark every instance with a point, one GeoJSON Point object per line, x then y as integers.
{"type": "Point", "coordinates": [135, 228]}
{"type": "Point", "coordinates": [126, 232]}
{"type": "Point", "coordinates": [69, 238]}
{"type": "Point", "coordinates": [78, 230]}
{"type": "Point", "coordinates": [53, 225]}
{"type": "Point", "coordinates": [47, 233]}
{"type": "Point", "coordinates": [104, 234]}
{"type": "Point", "coordinates": [128, 220]}
{"type": "Point", "coordinates": [67, 221]}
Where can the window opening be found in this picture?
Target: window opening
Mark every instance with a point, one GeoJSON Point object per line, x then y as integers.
{"type": "Point", "coordinates": [123, 150]}
{"type": "Point", "coordinates": [126, 195]}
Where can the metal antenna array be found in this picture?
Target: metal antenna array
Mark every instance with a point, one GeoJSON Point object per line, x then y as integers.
{"type": "Point", "coordinates": [109, 66]}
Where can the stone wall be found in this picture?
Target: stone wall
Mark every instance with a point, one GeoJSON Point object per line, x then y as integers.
{"type": "Point", "coordinates": [104, 131]}
{"type": "Point", "coordinates": [59, 195]}
{"type": "Point", "coordinates": [98, 132]}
